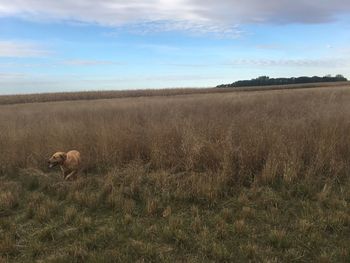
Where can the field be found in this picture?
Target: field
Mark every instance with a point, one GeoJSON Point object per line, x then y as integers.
{"type": "Point", "coordinates": [259, 176]}
{"type": "Point", "coordinates": [93, 95]}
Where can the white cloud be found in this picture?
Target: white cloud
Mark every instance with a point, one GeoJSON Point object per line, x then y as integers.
{"type": "Point", "coordinates": [57, 63]}
{"type": "Point", "coordinates": [21, 49]}
{"type": "Point", "coordinates": [269, 47]}
{"type": "Point", "coordinates": [274, 11]}
{"type": "Point", "coordinates": [11, 75]}
{"type": "Point", "coordinates": [59, 83]}
{"type": "Point", "coordinates": [200, 16]}
{"type": "Point", "coordinates": [262, 63]}
{"type": "Point", "coordinates": [323, 62]}
{"type": "Point", "coordinates": [218, 29]}
{"type": "Point", "coordinates": [85, 62]}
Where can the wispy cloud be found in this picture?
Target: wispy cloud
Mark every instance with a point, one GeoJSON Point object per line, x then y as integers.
{"type": "Point", "coordinates": [199, 28]}
{"type": "Point", "coordinates": [11, 75]}
{"type": "Point", "coordinates": [264, 63]}
{"type": "Point", "coordinates": [47, 83]}
{"type": "Point", "coordinates": [158, 47]}
{"type": "Point", "coordinates": [269, 46]}
{"type": "Point", "coordinates": [21, 49]}
{"type": "Point", "coordinates": [323, 62]}
{"type": "Point", "coordinates": [18, 64]}
{"type": "Point", "coordinates": [199, 16]}
{"type": "Point", "coordinates": [85, 62]}
{"type": "Point", "coordinates": [190, 65]}
{"type": "Point", "coordinates": [58, 63]}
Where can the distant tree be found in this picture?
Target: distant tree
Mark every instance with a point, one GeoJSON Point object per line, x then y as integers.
{"type": "Point", "coordinates": [340, 77]}
{"type": "Point", "coordinates": [265, 80]}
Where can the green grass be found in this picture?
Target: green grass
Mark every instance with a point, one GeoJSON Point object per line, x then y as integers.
{"type": "Point", "coordinates": [136, 215]}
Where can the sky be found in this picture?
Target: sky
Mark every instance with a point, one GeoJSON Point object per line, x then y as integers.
{"type": "Point", "coordinates": [54, 46]}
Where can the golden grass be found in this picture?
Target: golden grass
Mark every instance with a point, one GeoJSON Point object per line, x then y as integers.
{"type": "Point", "coordinates": [239, 138]}
{"type": "Point", "coordinates": [94, 95]}
{"type": "Point", "coordinates": [234, 177]}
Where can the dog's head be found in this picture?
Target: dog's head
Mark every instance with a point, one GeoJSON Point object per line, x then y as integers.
{"type": "Point", "coordinates": [57, 159]}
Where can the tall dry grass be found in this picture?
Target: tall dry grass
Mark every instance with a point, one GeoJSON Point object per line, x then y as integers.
{"type": "Point", "coordinates": [239, 138]}
{"type": "Point", "coordinates": [166, 176]}
{"type": "Point", "coordinates": [109, 94]}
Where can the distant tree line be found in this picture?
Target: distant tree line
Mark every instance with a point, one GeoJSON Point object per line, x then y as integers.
{"type": "Point", "coordinates": [266, 81]}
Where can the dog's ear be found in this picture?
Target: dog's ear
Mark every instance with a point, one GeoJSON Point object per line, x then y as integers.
{"type": "Point", "coordinates": [63, 156]}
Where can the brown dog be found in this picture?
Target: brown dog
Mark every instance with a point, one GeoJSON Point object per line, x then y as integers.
{"type": "Point", "coordinates": [69, 163]}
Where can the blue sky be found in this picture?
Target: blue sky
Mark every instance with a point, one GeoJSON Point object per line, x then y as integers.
{"type": "Point", "coordinates": [49, 46]}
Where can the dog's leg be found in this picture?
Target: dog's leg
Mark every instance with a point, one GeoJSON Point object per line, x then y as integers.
{"type": "Point", "coordinates": [70, 175]}
{"type": "Point", "coordinates": [64, 172]}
